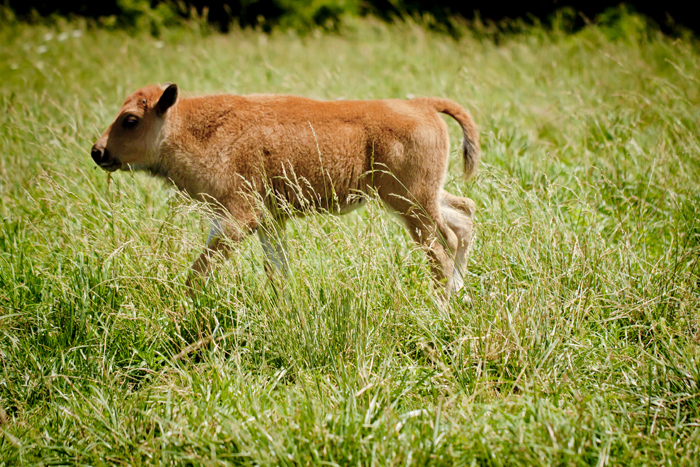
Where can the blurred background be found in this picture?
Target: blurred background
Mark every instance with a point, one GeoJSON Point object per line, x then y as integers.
{"type": "Point", "coordinates": [305, 15]}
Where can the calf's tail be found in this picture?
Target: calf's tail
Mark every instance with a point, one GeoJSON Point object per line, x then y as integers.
{"type": "Point", "coordinates": [470, 145]}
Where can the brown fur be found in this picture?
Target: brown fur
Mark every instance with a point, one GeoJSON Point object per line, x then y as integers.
{"type": "Point", "coordinates": [304, 152]}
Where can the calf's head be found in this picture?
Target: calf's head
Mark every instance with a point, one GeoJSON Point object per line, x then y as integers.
{"type": "Point", "coordinates": [133, 138]}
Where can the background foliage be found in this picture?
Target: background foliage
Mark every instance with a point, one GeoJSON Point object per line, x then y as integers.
{"type": "Point", "coordinates": [306, 15]}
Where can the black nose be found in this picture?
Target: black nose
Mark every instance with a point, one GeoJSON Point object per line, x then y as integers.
{"type": "Point", "coordinates": [96, 155]}
{"type": "Point", "coordinates": [101, 156]}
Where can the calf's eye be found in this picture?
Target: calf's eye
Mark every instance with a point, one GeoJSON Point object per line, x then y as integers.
{"type": "Point", "coordinates": [130, 122]}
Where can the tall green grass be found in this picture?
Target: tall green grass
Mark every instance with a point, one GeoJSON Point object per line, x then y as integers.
{"type": "Point", "coordinates": [580, 344]}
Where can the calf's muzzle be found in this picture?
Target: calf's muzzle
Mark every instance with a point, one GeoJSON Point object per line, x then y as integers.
{"type": "Point", "coordinates": [103, 159]}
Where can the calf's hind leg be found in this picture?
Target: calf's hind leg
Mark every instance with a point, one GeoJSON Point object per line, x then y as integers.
{"type": "Point", "coordinates": [427, 226]}
{"type": "Point", "coordinates": [459, 214]}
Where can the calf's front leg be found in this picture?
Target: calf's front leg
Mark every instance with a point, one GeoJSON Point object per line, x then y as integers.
{"type": "Point", "coordinates": [274, 242]}
{"type": "Point", "coordinates": [222, 233]}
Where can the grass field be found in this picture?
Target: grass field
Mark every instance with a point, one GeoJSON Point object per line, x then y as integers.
{"type": "Point", "coordinates": [581, 344]}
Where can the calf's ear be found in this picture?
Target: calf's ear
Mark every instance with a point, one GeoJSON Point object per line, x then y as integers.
{"type": "Point", "coordinates": [167, 99]}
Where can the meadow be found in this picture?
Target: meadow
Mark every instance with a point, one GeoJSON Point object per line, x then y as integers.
{"type": "Point", "coordinates": [579, 343]}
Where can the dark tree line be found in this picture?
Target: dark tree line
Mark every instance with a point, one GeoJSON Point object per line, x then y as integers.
{"type": "Point", "coordinates": [327, 13]}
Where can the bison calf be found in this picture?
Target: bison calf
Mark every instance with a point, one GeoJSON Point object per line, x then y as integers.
{"type": "Point", "coordinates": [298, 153]}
